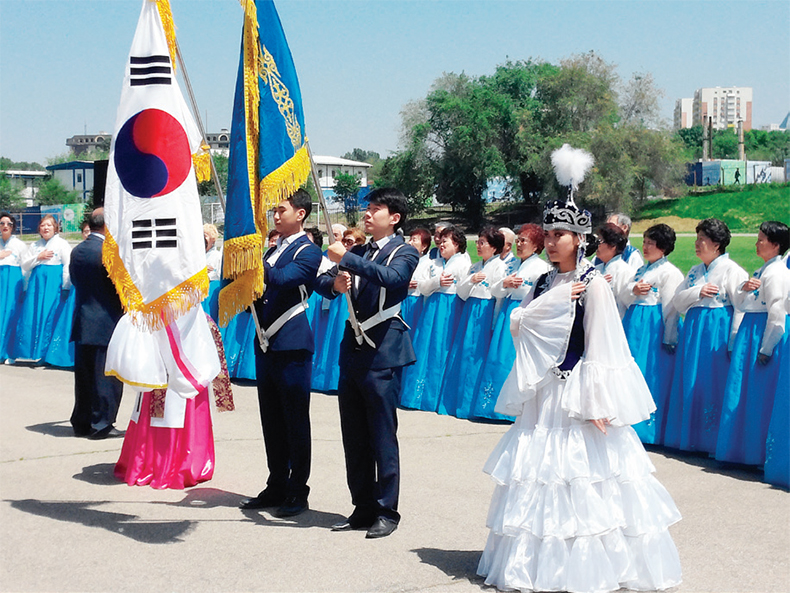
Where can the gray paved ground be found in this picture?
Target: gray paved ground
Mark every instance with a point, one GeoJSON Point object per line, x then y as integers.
{"type": "Point", "coordinates": [67, 525]}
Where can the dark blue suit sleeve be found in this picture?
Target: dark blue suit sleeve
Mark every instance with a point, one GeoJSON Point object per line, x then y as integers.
{"type": "Point", "coordinates": [324, 283]}
{"type": "Point", "coordinates": [397, 274]}
{"type": "Point", "coordinates": [300, 271]}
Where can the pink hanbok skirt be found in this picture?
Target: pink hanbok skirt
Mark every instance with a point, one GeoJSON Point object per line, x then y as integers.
{"type": "Point", "coordinates": [169, 457]}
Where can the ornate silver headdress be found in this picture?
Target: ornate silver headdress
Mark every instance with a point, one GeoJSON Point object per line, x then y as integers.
{"type": "Point", "coordinates": [570, 167]}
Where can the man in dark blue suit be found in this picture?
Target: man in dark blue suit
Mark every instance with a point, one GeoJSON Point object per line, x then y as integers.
{"type": "Point", "coordinates": [97, 310]}
{"type": "Point", "coordinates": [284, 360]}
{"type": "Point", "coordinates": [375, 348]}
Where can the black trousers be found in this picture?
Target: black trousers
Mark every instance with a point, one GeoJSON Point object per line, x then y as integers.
{"type": "Point", "coordinates": [368, 400]}
{"type": "Point", "coordinates": [96, 395]}
{"type": "Point", "coordinates": [283, 380]}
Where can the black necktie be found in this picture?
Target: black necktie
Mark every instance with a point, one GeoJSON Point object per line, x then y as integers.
{"type": "Point", "coordinates": [372, 250]}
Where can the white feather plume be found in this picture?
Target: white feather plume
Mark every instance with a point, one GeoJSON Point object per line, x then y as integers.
{"type": "Point", "coordinates": [571, 165]}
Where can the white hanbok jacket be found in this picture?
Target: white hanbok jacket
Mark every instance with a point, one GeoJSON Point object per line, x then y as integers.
{"type": "Point", "coordinates": [62, 255]}
{"type": "Point", "coordinates": [494, 269]}
{"type": "Point", "coordinates": [17, 249]}
{"type": "Point", "coordinates": [622, 274]}
{"type": "Point", "coordinates": [529, 271]}
{"type": "Point", "coordinates": [214, 260]}
{"type": "Point", "coordinates": [420, 273]}
{"type": "Point", "coordinates": [724, 273]}
{"type": "Point", "coordinates": [664, 279]}
{"type": "Point", "coordinates": [769, 298]}
{"type": "Point", "coordinates": [457, 266]}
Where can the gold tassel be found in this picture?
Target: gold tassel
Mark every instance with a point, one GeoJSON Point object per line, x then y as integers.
{"type": "Point", "coordinates": [202, 163]}
{"type": "Point", "coordinates": [169, 26]}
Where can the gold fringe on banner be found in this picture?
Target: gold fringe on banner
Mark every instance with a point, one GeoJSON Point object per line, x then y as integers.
{"type": "Point", "coordinates": [239, 294]}
{"type": "Point", "coordinates": [169, 26]}
{"type": "Point", "coordinates": [162, 311]}
{"type": "Point", "coordinates": [282, 183]}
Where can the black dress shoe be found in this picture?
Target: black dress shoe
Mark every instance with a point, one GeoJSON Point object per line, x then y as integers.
{"type": "Point", "coordinates": [382, 527]}
{"type": "Point", "coordinates": [106, 433]}
{"type": "Point", "coordinates": [353, 523]}
{"type": "Point", "coordinates": [291, 507]}
{"type": "Point", "coordinates": [264, 500]}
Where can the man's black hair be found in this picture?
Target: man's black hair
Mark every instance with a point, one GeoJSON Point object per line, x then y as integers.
{"type": "Point", "coordinates": [394, 201]}
{"type": "Point", "coordinates": [301, 200]}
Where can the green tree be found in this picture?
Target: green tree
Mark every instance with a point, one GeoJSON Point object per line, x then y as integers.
{"type": "Point", "coordinates": [7, 164]}
{"type": "Point", "coordinates": [346, 189]}
{"type": "Point", "coordinates": [53, 192]}
{"type": "Point", "coordinates": [724, 144]}
{"type": "Point", "coordinates": [10, 195]}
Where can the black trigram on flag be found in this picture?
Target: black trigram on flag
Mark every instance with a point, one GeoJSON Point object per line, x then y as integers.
{"type": "Point", "coordinates": [159, 233]}
{"type": "Point", "coordinates": [147, 70]}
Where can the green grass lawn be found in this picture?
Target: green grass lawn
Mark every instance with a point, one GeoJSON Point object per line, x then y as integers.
{"type": "Point", "coordinates": [742, 209]}
{"type": "Point", "coordinates": [741, 249]}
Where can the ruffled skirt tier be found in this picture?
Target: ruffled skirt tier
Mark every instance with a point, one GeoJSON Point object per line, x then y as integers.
{"type": "Point", "coordinates": [575, 509]}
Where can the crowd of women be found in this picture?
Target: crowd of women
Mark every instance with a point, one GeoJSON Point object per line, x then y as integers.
{"type": "Point", "coordinates": [713, 346]}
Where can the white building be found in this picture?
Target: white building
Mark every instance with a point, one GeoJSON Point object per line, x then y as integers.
{"type": "Point", "coordinates": [329, 167]}
{"type": "Point", "coordinates": [683, 113]}
{"type": "Point", "coordinates": [219, 142]}
{"type": "Point", "coordinates": [725, 105]}
{"type": "Point", "coordinates": [28, 181]}
{"type": "Point", "coordinates": [76, 175]}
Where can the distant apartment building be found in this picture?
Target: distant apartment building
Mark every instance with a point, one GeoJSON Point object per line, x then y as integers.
{"type": "Point", "coordinates": [219, 142]}
{"type": "Point", "coordinates": [683, 113]}
{"type": "Point", "coordinates": [84, 142]}
{"type": "Point", "coordinates": [726, 106]}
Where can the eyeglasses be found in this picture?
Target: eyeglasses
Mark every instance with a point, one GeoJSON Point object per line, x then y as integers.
{"type": "Point", "coordinates": [6, 224]}
{"type": "Point", "coordinates": [348, 242]}
{"type": "Point", "coordinates": [521, 240]}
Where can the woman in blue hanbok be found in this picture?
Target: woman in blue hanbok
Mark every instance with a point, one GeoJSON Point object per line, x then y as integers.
{"type": "Point", "coordinates": [326, 370]}
{"type": "Point", "coordinates": [761, 348]}
{"type": "Point", "coordinates": [437, 323]}
{"type": "Point", "coordinates": [411, 307]}
{"type": "Point", "coordinates": [651, 324]}
{"type": "Point", "coordinates": [777, 444]}
{"type": "Point", "coordinates": [511, 290]}
{"type": "Point", "coordinates": [60, 350]}
{"type": "Point", "coordinates": [475, 325]}
{"type": "Point", "coordinates": [46, 263]}
{"type": "Point", "coordinates": [611, 244]}
{"type": "Point", "coordinates": [11, 281]}
{"type": "Point", "coordinates": [708, 334]}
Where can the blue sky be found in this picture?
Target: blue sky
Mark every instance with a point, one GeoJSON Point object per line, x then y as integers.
{"type": "Point", "coordinates": [359, 62]}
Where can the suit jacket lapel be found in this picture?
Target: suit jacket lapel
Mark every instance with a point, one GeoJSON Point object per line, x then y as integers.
{"type": "Point", "coordinates": [380, 258]}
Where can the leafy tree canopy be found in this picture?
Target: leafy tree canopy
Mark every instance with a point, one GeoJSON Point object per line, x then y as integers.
{"type": "Point", "coordinates": [7, 164]}
{"type": "Point", "coordinates": [53, 192]}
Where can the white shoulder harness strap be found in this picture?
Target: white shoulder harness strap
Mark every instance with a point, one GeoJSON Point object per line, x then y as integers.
{"type": "Point", "coordinates": [382, 315]}
{"type": "Point", "coordinates": [298, 308]}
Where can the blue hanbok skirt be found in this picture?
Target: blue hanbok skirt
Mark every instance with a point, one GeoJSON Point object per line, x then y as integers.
{"type": "Point", "coordinates": [11, 292]}
{"type": "Point", "coordinates": [326, 360]}
{"type": "Point", "coordinates": [750, 393]}
{"type": "Point", "coordinates": [433, 336]}
{"type": "Point", "coordinates": [644, 329]}
{"type": "Point", "coordinates": [211, 303]}
{"type": "Point", "coordinates": [701, 367]}
{"type": "Point", "coordinates": [245, 366]}
{"type": "Point", "coordinates": [777, 444]}
{"type": "Point", "coordinates": [234, 339]}
{"type": "Point", "coordinates": [410, 310]}
{"type": "Point", "coordinates": [35, 324]}
{"type": "Point", "coordinates": [467, 356]}
{"type": "Point", "coordinates": [500, 360]}
{"type": "Point", "coordinates": [60, 351]}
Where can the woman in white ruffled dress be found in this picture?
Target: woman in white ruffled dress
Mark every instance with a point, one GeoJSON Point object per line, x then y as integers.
{"type": "Point", "coordinates": [576, 506]}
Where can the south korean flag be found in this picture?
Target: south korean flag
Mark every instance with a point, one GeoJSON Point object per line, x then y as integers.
{"type": "Point", "coordinates": [154, 250]}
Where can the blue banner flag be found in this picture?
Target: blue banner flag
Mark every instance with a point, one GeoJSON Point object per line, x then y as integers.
{"type": "Point", "coordinates": [268, 160]}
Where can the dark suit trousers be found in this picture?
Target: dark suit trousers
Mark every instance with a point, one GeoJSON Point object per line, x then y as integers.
{"type": "Point", "coordinates": [368, 400]}
{"type": "Point", "coordinates": [283, 380]}
{"type": "Point", "coordinates": [96, 395]}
